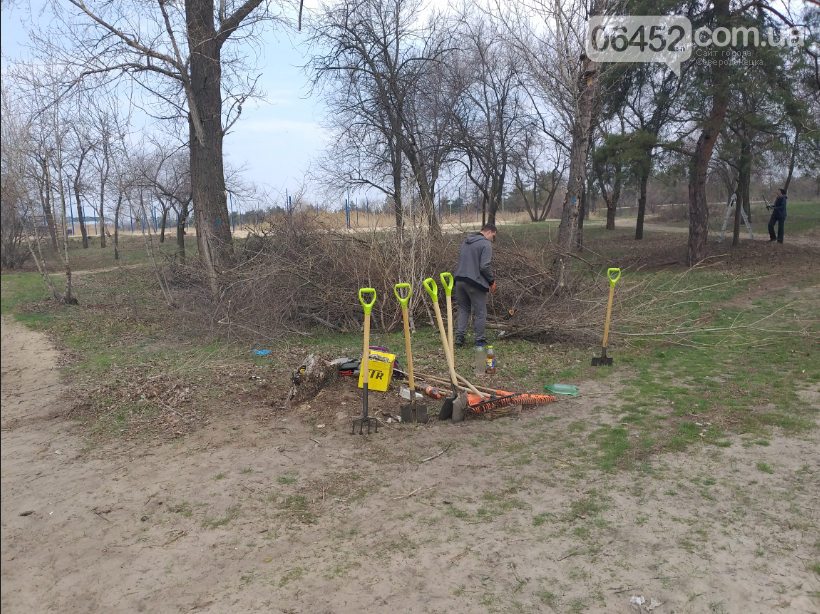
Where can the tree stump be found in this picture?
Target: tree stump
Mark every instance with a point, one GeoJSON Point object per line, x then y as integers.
{"type": "Point", "coordinates": [310, 377]}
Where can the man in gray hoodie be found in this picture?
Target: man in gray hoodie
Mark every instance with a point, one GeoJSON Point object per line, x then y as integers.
{"type": "Point", "coordinates": [474, 278]}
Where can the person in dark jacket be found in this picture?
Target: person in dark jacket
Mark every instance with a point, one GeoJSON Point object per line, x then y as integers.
{"type": "Point", "coordinates": [778, 216]}
{"type": "Point", "coordinates": [474, 278]}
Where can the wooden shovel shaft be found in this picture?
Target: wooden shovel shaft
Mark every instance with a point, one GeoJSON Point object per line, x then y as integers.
{"type": "Point", "coordinates": [608, 313]}
{"type": "Point", "coordinates": [366, 353]}
{"type": "Point", "coordinates": [447, 354]}
{"type": "Point", "coordinates": [471, 387]}
{"type": "Point", "coordinates": [450, 326]}
{"type": "Point", "coordinates": [409, 351]}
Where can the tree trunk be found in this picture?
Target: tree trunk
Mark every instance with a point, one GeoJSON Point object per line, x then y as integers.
{"type": "Point", "coordinates": [46, 198]}
{"type": "Point", "coordinates": [612, 205]}
{"type": "Point", "coordinates": [699, 165]}
{"type": "Point", "coordinates": [425, 188]}
{"type": "Point", "coordinates": [183, 215]}
{"type": "Point", "coordinates": [587, 80]}
{"type": "Point", "coordinates": [545, 210]}
{"type": "Point", "coordinates": [641, 206]}
{"type": "Point", "coordinates": [162, 227]}
{"type": "Point", "coordinates": [496, 196]}
{"type": "Point", "coordinates": [743, 181]}
{"type": "Point", "coordinates": [117, 228]}
{"type": "Point", "coordinates": [793, 157]}
{"type": "Point", "coordinates": [101, 215]}
{"type": "Point", "coordinates": [397, 195]}
{"type": "Point", "coordinates": [80, 215]}
{"type": "Point", "coordinates": [213, 228]}
{"type": "Point", "coordinates": [582, 211]}
{"type": "Point", "coordinates": [68, 298]}
{"type": "Point", "coordinates": [531, 210]}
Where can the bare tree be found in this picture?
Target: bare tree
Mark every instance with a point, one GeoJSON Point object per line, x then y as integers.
{"type": "Point", "coordinates": [81, 145]}
{"type": "Point", "coordinates": [171, 185]}
{"type": "Point", "coordinates": [491, 105]}
{"type": "Point", "coordinates": [108, 129]}
{"type": "Point", "coordinates": [549, 36]}
{"type": "Point", "coordinates": [529, 162]}
{"type": "Point", "coordinates": [14, 191]}
{"type": "Point", "coordinates": [363, 151]}
{"type": "Point", "coordinates": [372, 59]}
{"type": "Point", "coordinates": [190, 58]}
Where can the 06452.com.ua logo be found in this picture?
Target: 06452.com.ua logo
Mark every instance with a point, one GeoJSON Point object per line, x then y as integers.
{"type": "Point", "coordinates": [669, 39]}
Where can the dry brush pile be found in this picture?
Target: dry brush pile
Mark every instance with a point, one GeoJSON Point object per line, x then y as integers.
{"type": "Point", "coordinates": [297, 275]}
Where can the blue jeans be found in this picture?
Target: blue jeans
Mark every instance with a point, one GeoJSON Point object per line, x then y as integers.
{"type": "Point", "coordinates": [776, 219]}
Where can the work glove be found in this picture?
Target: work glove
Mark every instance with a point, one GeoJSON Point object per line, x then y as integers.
{"type": "Point", "coordinates": [492, 288]}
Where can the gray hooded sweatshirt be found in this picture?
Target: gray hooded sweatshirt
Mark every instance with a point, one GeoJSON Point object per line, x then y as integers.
{"type": "Point", "coordinates": [474, 262]}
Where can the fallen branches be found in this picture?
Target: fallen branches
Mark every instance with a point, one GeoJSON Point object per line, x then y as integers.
{"type": "Point", "coordinates": [436, 455]}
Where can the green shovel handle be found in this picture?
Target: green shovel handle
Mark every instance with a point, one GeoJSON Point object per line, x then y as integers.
{"type": "Point", "coordinates": [403, 301]}
{"type": "Point", "coordinates": [612, 280]}
{"type": "Point", "coordinates": [448, 287]}
{"type": "Point", "coordinates": [367, 306]}
{"type": "Point", "coordinates": [432, 289]}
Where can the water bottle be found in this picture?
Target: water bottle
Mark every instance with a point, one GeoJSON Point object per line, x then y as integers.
{"type": "Point", "coordinates": [480, 361]}
{"type": "Point", "coordinates": [490, 361]}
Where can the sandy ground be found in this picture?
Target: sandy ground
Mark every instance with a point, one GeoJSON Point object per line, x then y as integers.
{"type": "Point", "coordinates": [273, 512]}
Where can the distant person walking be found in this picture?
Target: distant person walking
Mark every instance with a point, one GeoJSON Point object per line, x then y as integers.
{"type": "Point", "coordinates": [778, 216]}
{"type": "Point", "coordinates": [474, 278]}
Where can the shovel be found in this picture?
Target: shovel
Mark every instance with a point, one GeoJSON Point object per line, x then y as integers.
{"type": "Point", "coordinates": [603, 360]}
{"type": "Point", "coordinates": [413, 412]}
{"type": "Point", "coordinates": [365, 419]}
{"type": "Point", "coordinates": [448, 290]}
{"type": "Point", "coordinates": [455, 405]}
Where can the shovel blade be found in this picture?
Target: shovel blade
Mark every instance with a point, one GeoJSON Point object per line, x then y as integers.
{"type": "Point", "coordinates": [459, 408]}
{"type": "Point", "coordinates": [414, 413]}
{"type": "Point", "coordinates": [446, 411]}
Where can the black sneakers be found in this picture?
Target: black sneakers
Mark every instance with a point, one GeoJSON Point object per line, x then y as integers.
{"type": "Point", "coordinates": [459, 342]}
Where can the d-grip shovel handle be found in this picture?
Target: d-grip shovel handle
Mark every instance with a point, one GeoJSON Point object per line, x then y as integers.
{"type": "Point", "coordinates": [612, 280]}
{"type": "Point", "coordinates": [367, 306]}
{"type": "Point", "coordinates": [448, 285]}
{"type": "Point", "coordinates": [432, 289]}
{"type": "Point", "coordinates": [403, 301]}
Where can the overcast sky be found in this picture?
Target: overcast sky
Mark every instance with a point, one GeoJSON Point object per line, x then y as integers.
{"type": "Point", "coordinates": [274, 140]}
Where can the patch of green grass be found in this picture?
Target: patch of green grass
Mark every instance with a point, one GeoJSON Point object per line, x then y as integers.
{"type": "Point", "coordinates": [815, 567]}
{"type": "Point", "coordinates": [219, 476]}
{"type": "Point", "coordinates": [285, 480]}
{"type": "Point", "coordinates": [585, 507]}
{"type": "Point", "coordinates": [247, 470]}
{"type": "Point", "coordinates": [214, 523]}
{"type": "Point", "coordinates": [542, 518]}
{"type": "Point", "coordinates": [19, 288]}
{"type": "Point", "coordinates": [296, 502]}
{"type": "Point", "coordinates": [761, 466]}
{"type": "Point", "coordinates": [581, 532]}
{"type": "Point", "coordinates": [548, 598]}
{"type": "Point", "coordinates": [716, 607]}
{"type": "Point", "coordinates": [183, 508]}
{"type": "Point", "coordinates": [613, 444]}
{"type": "Point", "coordinates": [458, 513]}
{"type": "Point", "coordinates": [291, 575]}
